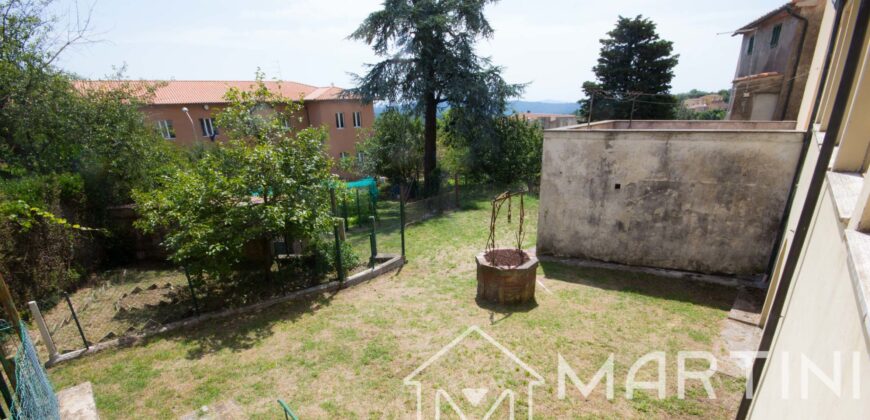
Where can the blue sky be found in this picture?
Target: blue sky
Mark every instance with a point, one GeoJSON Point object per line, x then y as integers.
{"type": "Point", "coordinates": [552, 44]}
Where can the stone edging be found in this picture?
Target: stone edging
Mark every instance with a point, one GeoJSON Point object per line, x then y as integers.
{"type": "Point", "coordinates": [390, 262]}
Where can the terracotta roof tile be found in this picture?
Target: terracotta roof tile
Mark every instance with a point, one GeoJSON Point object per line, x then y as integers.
{"type": "Point", "coordinates": [210, 91]}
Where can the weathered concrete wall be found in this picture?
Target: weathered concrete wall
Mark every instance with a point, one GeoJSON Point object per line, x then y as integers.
{"type": "Point", "coordinates": [698, 200]}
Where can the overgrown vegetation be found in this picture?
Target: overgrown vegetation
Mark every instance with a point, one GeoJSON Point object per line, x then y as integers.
{"type": "Point", "coordinates": [67, 155]}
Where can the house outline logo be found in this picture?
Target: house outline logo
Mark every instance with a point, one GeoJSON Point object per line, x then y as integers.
{"type": "Point", "coordinates": [473, 395]}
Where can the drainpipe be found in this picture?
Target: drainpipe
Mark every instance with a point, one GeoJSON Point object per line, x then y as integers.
{"type": "Point", "coordinates": [797, 60]}
{"type": "Point", "coordinates": [844, 89]}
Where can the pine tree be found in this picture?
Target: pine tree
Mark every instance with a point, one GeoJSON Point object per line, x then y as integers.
{"type": "Point", "coordinates": [633, 75]}
{"type": "Point", "coordinates": [429, 61]}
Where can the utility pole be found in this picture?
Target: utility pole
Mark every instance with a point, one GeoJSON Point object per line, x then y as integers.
{"type": "Point", "coordinates": [634, 96]}
{"type": "Point", "coordinates": [591, 106]}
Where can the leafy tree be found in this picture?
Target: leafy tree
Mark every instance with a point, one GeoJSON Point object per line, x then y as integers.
{"type": "Point", "coordinates": [511, 154]}
{"type": "Point", "coordinates": [429, 61]}
{"type": "Point", "coordinates": [268, 181]}
{"type": "Point", "coordinates": [726, 95]}
{"type": "Point", "coordinates": [394, 147]}
{"type": "Point", "coordinates": [710, 114]}
{"type": "Point", "coordinates": [66, 154]}
{"type": "Point", "coordinates": [633, 75]}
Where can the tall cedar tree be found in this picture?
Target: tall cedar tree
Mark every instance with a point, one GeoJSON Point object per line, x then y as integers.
{"type": "Point", "coordinates": [634, 74]}
{"type": "Point", "coordinates": [429, 60]}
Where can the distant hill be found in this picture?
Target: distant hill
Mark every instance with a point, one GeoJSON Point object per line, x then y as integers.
{"type": "Point", "coordinates": [544, 107]}
{"type": "Point", "coordinates": [538, 107]}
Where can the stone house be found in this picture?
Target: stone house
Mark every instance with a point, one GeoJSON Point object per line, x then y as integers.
{"type": "Point", "coordinates": [774, 60]}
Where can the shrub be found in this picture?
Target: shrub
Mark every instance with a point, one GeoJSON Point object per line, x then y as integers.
{"type": "Point", "coordinates": [323, 251]}
{"type": "Point", "coordinates": [267, 182]}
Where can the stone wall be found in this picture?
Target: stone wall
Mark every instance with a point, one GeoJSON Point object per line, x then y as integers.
{"type": "Point", "coordinates": [704, 199]}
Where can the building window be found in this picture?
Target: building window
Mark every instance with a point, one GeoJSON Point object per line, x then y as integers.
{"type": "Point", "coordinates": [166, 130]}
{"type": "Point", "coordinates": [751, 45]}
{"type": "Point", "coordinates": [357, 120]}
{"type": "Point", "coordinates": [359, 157]}
{"type": "Point", "coordinates": [342, 155]}
{"type": "Point", "coordinates": [774, 36]}
{"type": "Point", "coordinates": [208, 127]}
{"type": "Point", "coordinates": [339, 119]}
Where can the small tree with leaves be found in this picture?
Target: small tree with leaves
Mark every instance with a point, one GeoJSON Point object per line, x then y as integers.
{"type": "Point", "coordinates": [394, 147]}
{"type": "Point", "coordinates": [268, 181]}
{"type": "Point", "coordinates": [633, 75]}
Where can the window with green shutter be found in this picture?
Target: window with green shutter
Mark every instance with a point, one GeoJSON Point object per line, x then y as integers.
{"type": "Point", "coordinates": [774, 36]}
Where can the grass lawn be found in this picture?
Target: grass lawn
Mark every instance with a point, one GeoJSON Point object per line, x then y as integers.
{"type": "Point", "coordinates": [345, 355]}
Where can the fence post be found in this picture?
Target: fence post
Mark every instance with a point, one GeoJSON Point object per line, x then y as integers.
{"type": "Point", "coordinates": [358, 212]}
{"type": "Point", "coordinates": [344, 212]}
{"type": "Point", "coordinates": [456, 189]}
{"type": "Point", "coordinates": [76, 319]}
{"type": "Point", "coordinates": [339, 264]}
{"type": "Point", "coordinates": [373, 241]}
{"type": "Point", "coordinates": [402, 217]}
{"type": "Point", "coordinates": [374, 207]}
{"type": "Point", "coordinates": [9, 305]}
{"type": "Point", "coordinates": [7, 395]}
{"type": "Point", "coordinates": [43, 331]}
{"type": "Point", "coordinates": [192, 291]}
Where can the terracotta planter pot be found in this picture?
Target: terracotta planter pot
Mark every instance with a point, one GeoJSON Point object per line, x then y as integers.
{"type": "Point", "coordinates": [506, 284]}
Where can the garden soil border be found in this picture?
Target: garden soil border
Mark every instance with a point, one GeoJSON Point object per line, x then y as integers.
{"type": "Point", "coordinates": [387, 263]}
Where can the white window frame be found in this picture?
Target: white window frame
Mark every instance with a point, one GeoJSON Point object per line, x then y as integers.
{"type": "Point", "coordinates": [357, 119]}
{"type": "Point", "coordinates": [342, 155]}
{"type": "Point", "coordinates": [359, 156]}
{"type": "Point", "coordinates": [166, 129]}
{"type": "Point", "coordinates": [208, 128]}
{"type": "Point", "coordinates": [339, 120]}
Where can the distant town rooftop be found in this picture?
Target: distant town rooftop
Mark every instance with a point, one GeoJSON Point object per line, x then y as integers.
{"type": "Point", "coordinates": [173, 92]}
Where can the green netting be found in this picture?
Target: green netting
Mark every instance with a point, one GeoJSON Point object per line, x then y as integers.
{"type": "Point", "coordinates": [367, 183]}
{"type": "Point", "coordinates": [34, 395]}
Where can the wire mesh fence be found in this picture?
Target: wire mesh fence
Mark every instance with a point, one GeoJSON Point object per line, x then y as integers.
{"type": "Point", "coordinates": [138, 299]}
{"type": "Point", "coordinates": [34, 397]}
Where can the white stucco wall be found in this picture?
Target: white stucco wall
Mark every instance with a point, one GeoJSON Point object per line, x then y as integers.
{"type": "Point", "coordinates": [821, 317]}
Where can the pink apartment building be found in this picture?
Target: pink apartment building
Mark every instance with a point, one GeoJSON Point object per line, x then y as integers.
{"type": "Point", "coordinates": [184, 111]}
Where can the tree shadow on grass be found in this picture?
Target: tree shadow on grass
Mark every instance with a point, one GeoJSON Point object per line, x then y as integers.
{"type": "Point", "coordinates": [243, 331]}
{"type": "Point", "coordinates": [645, 284]}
